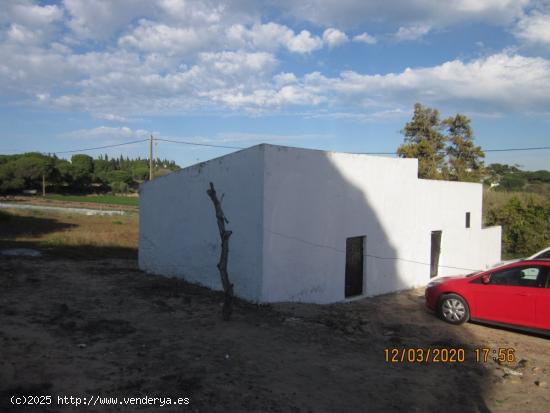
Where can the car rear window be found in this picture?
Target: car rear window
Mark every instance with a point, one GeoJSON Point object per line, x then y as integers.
{"type": "Point", "coordinates": [544, 255]}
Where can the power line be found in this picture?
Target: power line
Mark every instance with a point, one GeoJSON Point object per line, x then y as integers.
{"type": "Point", "coordinates": [376, 153]}
{"type": "Point", "coordinates": [199, 144]}
{"type": "Point", "coordinates": [101, 147]}
{"type": "Point", "coordinates": [314, 244]}
{"type": "Point", "coordinates": [540, 148]}
{"type": "Point", "coordinates": [517, 149]}
{"type": "Point", "coordinates": [210, 145]}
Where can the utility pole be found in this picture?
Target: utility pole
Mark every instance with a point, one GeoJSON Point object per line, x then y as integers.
{"type": "Point", "coordinates": [151, 158]}
{"type": "Point", "coordinates": [43, 184]}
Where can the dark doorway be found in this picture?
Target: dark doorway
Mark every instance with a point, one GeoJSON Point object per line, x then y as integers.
{"type": "Point", "coordinates": [436, 251]}
{"type": "Point", "coordinates": [354, 266]}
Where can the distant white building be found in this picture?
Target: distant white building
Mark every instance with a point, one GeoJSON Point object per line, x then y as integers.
{"type": "Point", "coordinates": [313, 226]}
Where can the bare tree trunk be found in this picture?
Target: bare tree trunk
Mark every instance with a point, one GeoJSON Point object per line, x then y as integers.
{"type": "Point", "coordinates": [222, 264]}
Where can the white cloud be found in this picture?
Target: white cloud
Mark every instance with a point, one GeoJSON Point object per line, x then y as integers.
{"type": "Point", "coordinates": [364, 38]}
{"type": "Point", "coordinates": [502, 82]}
{"type": "Point", "coordinates": [334, 37]}
{"type": "Point", "coordinates": [175, 56]}
{"type": "Point", "coordinates": [35, 15]}
{"type": "Point", "coordinates": [285, 78]}
{"type": "Point", "coordinates": [412, 33]}
{"type": "Point", "coordinates": [132, 87]}
{"type": "Point", "coordinates": [153, 37]}
{"type": "Point", "coordinates": [240, 63]}
{"type": "Point", "coordinates": [111, 117]}
{"type": "Point", "coordinates": [437, 13]}
{"type": "Point", "coordinates": [304, 42]}
{"type": "Point", "coordinates": [114, 16]}
{"type": "Point", "coordinates": [23, 35]}
{"type": "Point", "coordinates": [27, 23]}
{"type": "Point", "coordinates": [268, 36]}
{"type": "Point", "coordinates": [107, 133]}
{"type": "Point", "coordinates": [534, 27]}
{"type": "Point", "coordinates": [207, 12]}
{"type": "Point", "coordinates": [259, 100]}
{"type": "Point", "coordinates": [149, 36]}
{"type": "Point", "coordinates": [271, 36]}
{"type": "Point", "coordinates": [42, 97]}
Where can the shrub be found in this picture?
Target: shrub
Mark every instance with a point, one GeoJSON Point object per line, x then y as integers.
{"type": "Point", "coordinates": [119, 187]}
{"type": "Point", "coordinates": [525, 225]}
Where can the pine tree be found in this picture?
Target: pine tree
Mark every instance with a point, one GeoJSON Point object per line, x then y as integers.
{"type": "Point", "coordinates": [424, 140]}
{"type": "Point", "coordinates": [464, 158]}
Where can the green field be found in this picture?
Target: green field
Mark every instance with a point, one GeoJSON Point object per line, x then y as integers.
{"type": "Point", "coordinates": [97, 199]}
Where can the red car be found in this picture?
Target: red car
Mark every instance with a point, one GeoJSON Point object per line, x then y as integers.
{"type": "Point", "coordinates": [515, 295]}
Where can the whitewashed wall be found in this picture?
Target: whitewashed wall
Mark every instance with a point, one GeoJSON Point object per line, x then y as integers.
{"type": "Point", "coordinates": [291, 211]}
{"type": "Point", "coordinates": [178, 230]}
{"type": "Point", "coordinates": [314, 200]}
{"type": "Point", "coordinates": [474, 248]}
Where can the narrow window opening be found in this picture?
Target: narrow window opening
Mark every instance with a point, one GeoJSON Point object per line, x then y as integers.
{"type": "Point", "coordinates": [467, 220]}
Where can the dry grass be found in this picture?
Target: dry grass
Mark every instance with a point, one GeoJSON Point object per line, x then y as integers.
{"type": "Point", "coordinates": [83, 234]}
{"type": "Point", "coordinates": [73, 202]}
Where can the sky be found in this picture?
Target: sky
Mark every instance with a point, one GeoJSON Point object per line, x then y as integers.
{"type": "Point", "coordinates": [340, 75]}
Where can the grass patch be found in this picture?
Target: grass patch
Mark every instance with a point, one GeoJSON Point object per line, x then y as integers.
{"type": "Point", "coordinates": [97, 199]}
{"type": "Point", "coordinates": [80, 235]}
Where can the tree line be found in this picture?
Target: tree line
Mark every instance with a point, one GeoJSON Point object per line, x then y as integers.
{"type": "Point", "coordinates": [80, 174]}
{"type": "Point", "coordinates": [512, 178]}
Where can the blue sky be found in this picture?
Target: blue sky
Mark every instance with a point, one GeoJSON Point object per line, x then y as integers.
{"type": "Point", "coordinates": [330, 74]}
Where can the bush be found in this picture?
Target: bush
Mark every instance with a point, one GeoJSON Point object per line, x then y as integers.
{"type": "Point", "coordinates": [119, 187]}
{"type": "Point", "coordinates": [525, 225]}
{"type": "Point", "coordinates": [512, 182]}
{"type": "Point", "coordinates": [120, 176]}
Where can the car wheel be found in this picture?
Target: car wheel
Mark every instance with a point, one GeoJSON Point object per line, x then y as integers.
{"type": "Point", "coordinates": [454, 309]}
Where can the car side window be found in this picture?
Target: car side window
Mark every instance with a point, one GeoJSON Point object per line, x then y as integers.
{"type": "Point", "coordinates": [519, 277]}
{"type": "Point", "coordinates": [544, 255]}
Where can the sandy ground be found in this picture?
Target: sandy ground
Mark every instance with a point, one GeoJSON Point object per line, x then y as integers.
{"type": "Point", "coordinates": [102, 327]}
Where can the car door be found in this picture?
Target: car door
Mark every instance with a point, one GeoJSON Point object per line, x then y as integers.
{"type": "Point", "coordinates": [542, 304]}
{"type": "Point", "coordinates": [509, 296]}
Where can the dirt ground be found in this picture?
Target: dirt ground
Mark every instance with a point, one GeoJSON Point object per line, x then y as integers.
{"type": "Point", "coordinates": [102, 327]}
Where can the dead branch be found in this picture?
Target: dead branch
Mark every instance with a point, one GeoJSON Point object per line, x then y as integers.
{"type": "Point", "coordinates": [222, 264]}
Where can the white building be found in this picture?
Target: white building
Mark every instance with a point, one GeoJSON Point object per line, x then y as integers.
{"type": "Point", "coordinates": [313, 226]}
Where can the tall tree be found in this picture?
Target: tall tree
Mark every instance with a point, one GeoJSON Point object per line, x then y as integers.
{"type": "Point", "coordinates": [32, 167]}
{"type": "Point", "coordinates": [424, 140]}
{"type": "Point", "coordinates": [465, 160]}
{"type": "Point", "coordinates": [82, 169]}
